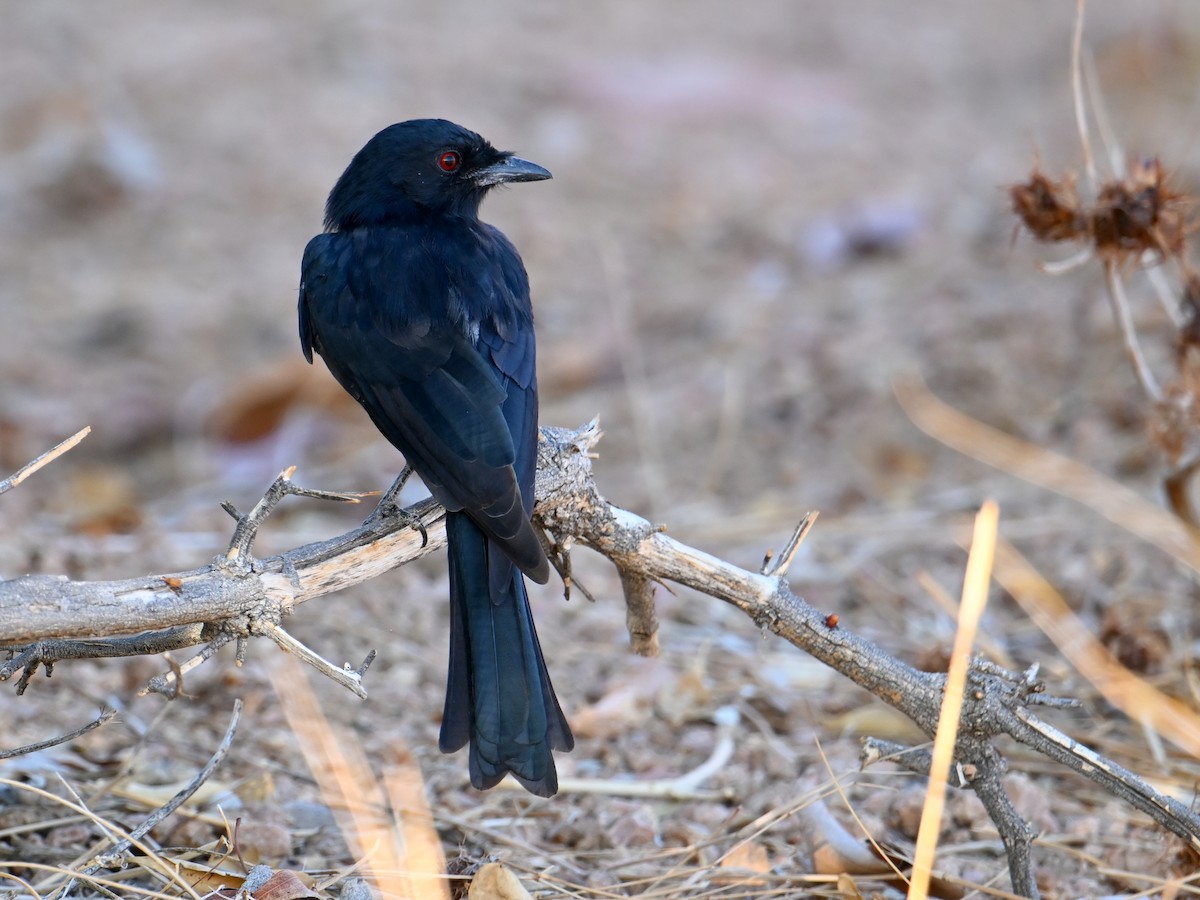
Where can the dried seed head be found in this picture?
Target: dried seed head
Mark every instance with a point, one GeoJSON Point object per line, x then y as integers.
{"type": "Point", "coordinates": [1139, 213]}
{"type": "Point", "coordinates": [1049, 209]}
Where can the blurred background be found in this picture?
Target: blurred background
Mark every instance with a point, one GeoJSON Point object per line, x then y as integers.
{"type": "Point", "coordinates": [757, 222]}
{"type": "Point", "coordinates": [761, 216]}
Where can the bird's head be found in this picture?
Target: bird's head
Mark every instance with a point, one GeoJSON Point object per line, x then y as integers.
{"type": "Point", "coordinates": [418, 168]}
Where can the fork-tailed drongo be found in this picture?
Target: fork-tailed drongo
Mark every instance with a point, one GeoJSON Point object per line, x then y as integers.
{"type": "Point", "coordinates": [422, 313]}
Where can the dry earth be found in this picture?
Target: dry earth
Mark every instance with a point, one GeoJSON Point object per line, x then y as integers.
{"type": "Point", "coordinates": [762, 216]}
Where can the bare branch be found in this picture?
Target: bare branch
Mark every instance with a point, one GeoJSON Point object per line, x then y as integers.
{"type": "Point", "coordinates": [641, 618]}
{"type": "Point", "coordinates": [47, 653]}
{"type": "Point", "coordinates": [779, 565]}
{"type": "Point", "coordinates": [248, 525]}
{"type": "Point", "coordinates": [343, 675]}
{"type": "Point", "coordinates": [220, 603]}
{"type": "Point", "coordinates": [45, 607]}
{"type": "Point", "coordinates": [1014, 832]}
{"type": "Point", "coordinates": [106, 715]}
{"type": "Point", "coordinates": [49, 456]}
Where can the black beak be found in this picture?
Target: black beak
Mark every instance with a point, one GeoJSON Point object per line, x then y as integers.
{"type": "Point", "coordinates": [511, 168]}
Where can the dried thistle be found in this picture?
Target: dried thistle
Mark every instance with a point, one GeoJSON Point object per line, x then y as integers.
{"type": "Point", "coordinates": [1130, 216]}
{"type": "Point", "coordinates": [1049, 209]}
{"type": "Point", "coordinates": [1139, 213]}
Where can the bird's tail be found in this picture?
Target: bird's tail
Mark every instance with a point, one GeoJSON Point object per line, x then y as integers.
{"type": "Point", "coordinates": [498, 693]}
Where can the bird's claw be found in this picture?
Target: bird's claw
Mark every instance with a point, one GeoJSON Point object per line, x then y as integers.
{"type": "Point", "coordinates": [393, 517]}
{"type": "Point", "coordinates": [390, 511]}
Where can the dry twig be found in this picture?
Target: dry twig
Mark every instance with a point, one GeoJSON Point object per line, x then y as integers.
{"type": "Point", "coordinates": [219, 601]}
{"type": "Point", "coordinates": [112, 856]}
{"type": "Point", "coordinates": [49, 456]}
{"type": "Point", "coordinates": [105, 716]}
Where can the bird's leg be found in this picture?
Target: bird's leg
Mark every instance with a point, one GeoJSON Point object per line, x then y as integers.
{"type": "Point", "coordinates": [238, 558]}
{"type": "Point", "coordinates": [389, 503]}
{"type": "Point", "coordinates": [558, 551]}
{"type": "Point", "coordinates": [389, 507]}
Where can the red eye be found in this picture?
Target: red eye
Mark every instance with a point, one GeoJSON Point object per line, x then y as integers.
{"type": "Point", "coordinates": [449, 161]}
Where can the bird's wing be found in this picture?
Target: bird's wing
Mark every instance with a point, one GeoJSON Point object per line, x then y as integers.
{"type": "Point", "coordinates": [511, 345]}
{"type": "Point", "coordinates": [376, 311]}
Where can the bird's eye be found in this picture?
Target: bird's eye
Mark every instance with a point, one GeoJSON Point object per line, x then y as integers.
{"type": "Point", "coordinates": [449, 161]}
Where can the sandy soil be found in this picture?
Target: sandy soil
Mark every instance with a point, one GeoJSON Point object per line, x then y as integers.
{"type": "Point", "coordinates": [761, 218]}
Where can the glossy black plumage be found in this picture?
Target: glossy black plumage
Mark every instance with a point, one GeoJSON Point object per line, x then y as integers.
{"type": "Point", "coordinates": [422, 313]}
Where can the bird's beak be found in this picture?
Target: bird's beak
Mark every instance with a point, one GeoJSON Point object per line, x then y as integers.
{"type": "Point", "coordinates": [511, 168]}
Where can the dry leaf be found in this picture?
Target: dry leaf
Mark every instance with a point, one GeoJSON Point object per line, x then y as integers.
{"type": "Point", "coordinates": [155, 795]}
{"type": "Point", "coordinates": [287, 885]}
{"type": "Point", "coordinates": [282, 885]}
{"type": "Point", "coordinates": [877, 720]}
{"type": "Point", "coordinates": [205, 877]}
{"type": "Point", "coordinates": [848, 889]}
{"type": "Point", "coordinates": [689, 698]}
{"type": "Point", "coordinates": [260, 402]}
{"type": "Point", "coordinates": [750, 857]}
{"type": "Point", "coordinates": [495, 882]}
{"type": "Point", "coordinates": [625, 704]}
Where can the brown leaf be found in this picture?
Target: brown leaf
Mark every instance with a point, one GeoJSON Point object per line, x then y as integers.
{"type": "Point", "coordinates": [260, 402]}
{"type": "Point", "coordinates": [284, 884]}
{"type": "Point", "coordinates": [102, 500]}
{"type": "Point", "coordinates": [625, 703]}
{"type": "Point", "coordinates": [207, 878]}
{"type": "Point", "coordinates": [287, 885]}
{"type": "Point", "coordinates": [495, 882]}
{"type": "Point", "coordinates": [749, 856]}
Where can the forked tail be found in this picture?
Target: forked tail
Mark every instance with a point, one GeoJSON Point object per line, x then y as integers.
{"type": "Point", "coordinates": [498, 693]}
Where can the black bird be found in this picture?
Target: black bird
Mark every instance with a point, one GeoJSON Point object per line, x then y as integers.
{"type": "Point", "coordinates": [422, 313]}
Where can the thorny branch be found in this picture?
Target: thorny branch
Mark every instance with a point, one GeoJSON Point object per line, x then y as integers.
{"type": "Point", "coordinates": [47, 618]}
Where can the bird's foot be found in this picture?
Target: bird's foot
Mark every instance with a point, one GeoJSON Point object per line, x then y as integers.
{"type": "Point", "coordinates": [389, 512]}
{"type": "Point", "coordinates": [238, 559]}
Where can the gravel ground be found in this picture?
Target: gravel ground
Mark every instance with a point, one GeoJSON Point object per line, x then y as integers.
{"type": "Point", "coordinates": [761, 219]}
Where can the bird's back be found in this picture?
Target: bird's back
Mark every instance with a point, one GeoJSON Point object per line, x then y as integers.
{"type": "Point", "coordinates": [429, 327]}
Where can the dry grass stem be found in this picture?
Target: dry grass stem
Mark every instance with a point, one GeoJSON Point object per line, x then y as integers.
{"type": "Point", "coordinates": [1115, 502]}
{"type": "Point", "coordinates": [1134, 696]}
{"type": "Point", "coordinates": [396, 852]}
{"type": "Point", "coordinates": [59, 875]}
{"type": "Point", "coordinates": [975, 591]}
{"type": "Point", "coordinates": [1089, 161]}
